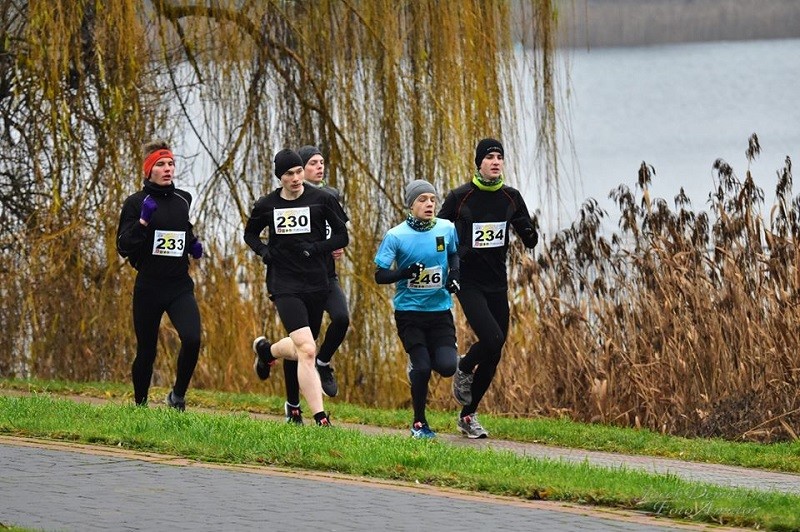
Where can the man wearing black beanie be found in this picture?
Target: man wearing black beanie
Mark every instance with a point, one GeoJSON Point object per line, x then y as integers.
{"type": "Point", "coordinates": [483, 211]}
{"type": "Point", "coordinates": [297, 275]}
{"type": "Point", "coordinates": [485, 147]}
{"type": "Point", "coordinates": [335, 303]}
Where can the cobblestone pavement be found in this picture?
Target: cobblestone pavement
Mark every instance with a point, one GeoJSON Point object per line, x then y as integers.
{"type": "Point", "coordinates": [59, 486]}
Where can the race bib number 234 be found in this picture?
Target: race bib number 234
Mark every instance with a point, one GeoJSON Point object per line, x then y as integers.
{"type": "Point", "coordinates": [488, 234]}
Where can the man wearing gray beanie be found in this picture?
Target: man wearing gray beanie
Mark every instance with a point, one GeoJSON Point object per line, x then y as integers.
{"type": "Point", "coordinates": [297, 277]}
{"type": "Point", "coordinates": [424, 251]}
{"type": "Point", "coordinates": [417, 187]}
{"type": "Point", "coordinates": [483, 211]}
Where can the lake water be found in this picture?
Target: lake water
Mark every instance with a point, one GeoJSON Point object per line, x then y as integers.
{"type": "Point", "coordinates": [679, 108]}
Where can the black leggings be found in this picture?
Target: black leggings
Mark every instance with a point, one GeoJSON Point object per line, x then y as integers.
{"type": "Point", "coordinates": [336, 307]}
{"type": "Point", "coordinates": [421, 362]}
{"type": "Point", "coordinates": [151, 299]}
{"type": "Point", "coordinates": [487, 313]}
{"type": "Point", "coordinates": [429, 338]}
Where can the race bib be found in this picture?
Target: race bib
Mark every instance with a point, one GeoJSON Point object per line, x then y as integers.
{"type": "Point", "coordinates": [292, 221]}
{"type": "Point", "coordinates": [428, 279]}
{"type": "Point", "coordinates": [488, 234]}
{"type": "Point", "coordinates": [328, 230]}
{"type": "Point", "coordinates": [169, 243]}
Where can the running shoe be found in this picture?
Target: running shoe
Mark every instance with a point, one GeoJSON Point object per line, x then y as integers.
{"type": "Point", "coordinates": [462, 386]}
{"type": "Point", "coordinates": [293, 414]}
{"type": "Point", "coordinates": [421, 431]}
{"type": "Point", "coordinates": [173, 402]}
{"type": "Point", "coordinates": [329, 386]}
{"type": "Point", "coordinates": [264, 360]}
{"type": "Point", "coordinates": [470, 427]}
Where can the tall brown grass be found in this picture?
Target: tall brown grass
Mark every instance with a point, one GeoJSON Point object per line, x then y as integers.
{"type": "Point", "coordinates": [683, 322]}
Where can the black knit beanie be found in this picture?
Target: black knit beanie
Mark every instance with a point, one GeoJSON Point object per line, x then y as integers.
{"type": "Point", "coordinates": [307, 152]}
{"type": "Point", "coordinates": [285, 160]}
{"type": "Point", "coordinates": [485, 147]}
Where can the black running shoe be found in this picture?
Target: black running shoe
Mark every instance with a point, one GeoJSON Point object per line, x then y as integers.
{"type": "Point", "coordinates": [293, 414]}
{"type": "Point", "coordinates": [324, 422]}
{"type": "Point", "coordinates": [329, 386]}
{"type": "Point", "coordinates": [264, 360]}
{"type": "Point", "coordinates": [173, 402]}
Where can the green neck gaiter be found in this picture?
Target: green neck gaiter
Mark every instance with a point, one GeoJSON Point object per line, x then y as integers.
{"type": "Point", "coordinates": [487, 186]}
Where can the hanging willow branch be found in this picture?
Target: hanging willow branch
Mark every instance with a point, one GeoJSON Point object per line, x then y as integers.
{"type": "Point", "coordinates": [391, 91]}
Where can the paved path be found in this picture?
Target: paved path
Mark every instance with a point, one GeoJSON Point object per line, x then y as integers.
{"type": "Point", "coordinates": [60, 486]}
{"type": "Point", "coordinates": [73, 487]}
{"type": "Point", "coordinates": [722, 475]}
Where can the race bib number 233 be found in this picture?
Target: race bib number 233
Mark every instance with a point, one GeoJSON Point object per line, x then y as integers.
{"type": "Point", "coordinates": [169, 243]}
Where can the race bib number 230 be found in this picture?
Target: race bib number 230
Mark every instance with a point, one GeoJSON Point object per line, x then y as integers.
{"type": "Point", "coordinates": [292, 221]}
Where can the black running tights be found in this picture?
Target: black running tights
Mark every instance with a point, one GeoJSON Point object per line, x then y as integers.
{"type": "Point", "coordinates": [150, 301]}
{"type": "Point", "coordinates": [487, 314]}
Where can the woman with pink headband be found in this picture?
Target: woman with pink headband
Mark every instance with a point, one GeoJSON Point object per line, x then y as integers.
{"type": "Point", "coordinates": [156, 237]}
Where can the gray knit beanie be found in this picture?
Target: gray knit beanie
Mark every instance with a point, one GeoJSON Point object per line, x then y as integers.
{"type": "Point", "coordinates": [415, 188]}
{"type": "Point", "coordinates": [307, 152]}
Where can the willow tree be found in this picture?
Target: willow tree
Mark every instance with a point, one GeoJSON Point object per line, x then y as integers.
{"type": "Point", "coordinates": [390, 91]}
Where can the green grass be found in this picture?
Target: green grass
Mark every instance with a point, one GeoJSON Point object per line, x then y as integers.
{"type": "Point", "coordinates": [561, 432]}
{"type": "Point", "coordinates": [237, 438]}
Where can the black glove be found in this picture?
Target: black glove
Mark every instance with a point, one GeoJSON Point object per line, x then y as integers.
{"type": "Point", "coordinates": [410, 272]}
{"type": "Point", "coordinates": [529, 235]}
{"type": "Point", "coordinates": [266, 256]}
{"type": "Point", "coordinates": [307, 249]}
{"type": "Point", "coordinates": [453, 286]}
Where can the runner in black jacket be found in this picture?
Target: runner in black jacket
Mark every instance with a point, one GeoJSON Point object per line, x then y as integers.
{"type": "Point", "coordinates": [297, 274]}
{"type": "Point", "coordinates": [155, 235]}
{"type": "Point", "coordinates": [483, 210]}
{"type": "Point", "coordinates": [335, 303]}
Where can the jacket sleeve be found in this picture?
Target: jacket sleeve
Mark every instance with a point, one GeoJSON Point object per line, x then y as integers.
{"type": "Point", "coordinates": [523, 224]}
{"type": "Point", "coordinates": [131, 235]}
{"type": "Point", "coordinates": [386, 275]}
{"type": "Point", "coordinates": [337, 220]}
{"type": "Point", "coordinates": [190, 236]}
{"type": "Point", "coordinates": [255, 225]}
{"type": "Point", "coordinates": [454, 267]}
{"type": "Point", "coordinates": [448, 210]}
